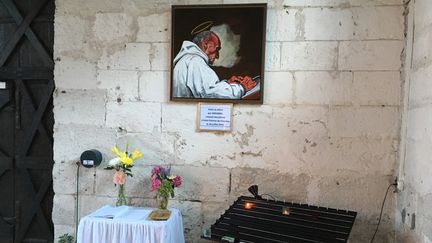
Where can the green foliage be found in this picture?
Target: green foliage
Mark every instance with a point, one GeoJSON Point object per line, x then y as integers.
{"type": "Point", "coordinates": [166, 188]}
{"type": "Point", "coordinates": [66, 238]}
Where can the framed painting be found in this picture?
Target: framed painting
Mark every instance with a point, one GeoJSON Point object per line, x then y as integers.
{"type": "Point", "coordinates": [217, 53]}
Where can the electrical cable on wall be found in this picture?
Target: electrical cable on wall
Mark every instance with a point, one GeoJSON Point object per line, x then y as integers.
{"type": "Point", "coordinates": [77, 198]}
{"type": "Point", "coordinates": [382, 207]}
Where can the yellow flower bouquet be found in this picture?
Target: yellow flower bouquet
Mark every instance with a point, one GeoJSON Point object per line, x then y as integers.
{"type": "Point", "coordinates": [123, 164]}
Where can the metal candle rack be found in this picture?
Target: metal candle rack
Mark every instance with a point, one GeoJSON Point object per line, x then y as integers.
{"type": "Point", "coordinates": [253, 219]}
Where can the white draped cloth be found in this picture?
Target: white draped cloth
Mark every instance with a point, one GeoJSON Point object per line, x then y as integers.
{"type": "Point", "coordinates": [126, 224]}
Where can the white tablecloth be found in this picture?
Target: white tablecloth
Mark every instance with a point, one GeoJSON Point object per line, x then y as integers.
{"type": "Point", "coordinates": [125, 224]}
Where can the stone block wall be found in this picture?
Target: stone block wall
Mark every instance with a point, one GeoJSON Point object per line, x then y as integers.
{"type": "Point", "coordinates": [413, 214]}
{"type": "Point", "coordinates": [326, 134]}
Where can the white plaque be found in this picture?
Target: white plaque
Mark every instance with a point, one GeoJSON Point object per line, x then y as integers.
{"type": "Point", "coordinates": [214, 117]}
{"type": "Point", "coordinates": [2, 85]}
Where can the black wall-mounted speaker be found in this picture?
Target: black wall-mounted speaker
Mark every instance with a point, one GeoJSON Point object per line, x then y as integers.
{"type": "Point", "coordinates": [91, 158]}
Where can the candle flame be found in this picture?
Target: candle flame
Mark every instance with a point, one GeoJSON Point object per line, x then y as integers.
{"type": "Point", "coordinates": [248, 205]}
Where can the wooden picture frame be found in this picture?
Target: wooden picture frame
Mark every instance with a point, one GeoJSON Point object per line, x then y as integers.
{"type": "Point", "coordinates": [217, 53]}
{"type": "Point", "coordinates": [214, 117]}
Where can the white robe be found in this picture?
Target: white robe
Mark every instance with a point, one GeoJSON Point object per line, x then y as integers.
{"type": "Point", "coordinates": [193, 78]}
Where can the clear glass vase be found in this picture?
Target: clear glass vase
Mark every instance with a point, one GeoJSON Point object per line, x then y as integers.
{"type": "Point", "coordinates": [163, 201]}
{"type": "Point", "coordinates": [121, 199]}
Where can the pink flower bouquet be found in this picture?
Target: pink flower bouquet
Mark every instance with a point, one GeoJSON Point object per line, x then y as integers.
{"type": "Point", "coordinates": [164, 182]}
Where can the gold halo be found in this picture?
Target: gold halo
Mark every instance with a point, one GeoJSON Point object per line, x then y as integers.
{"type": "Point", "coordinates": [201, 27]}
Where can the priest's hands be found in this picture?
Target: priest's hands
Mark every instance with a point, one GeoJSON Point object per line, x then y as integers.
{"type": "Point", "coordinates": [245, 81]}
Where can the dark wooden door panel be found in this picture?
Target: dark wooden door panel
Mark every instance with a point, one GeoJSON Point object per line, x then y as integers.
{"type": "Point", "coordinates": [34, 161]}
{"type": "Point", "coordinates": [23, 24]}
{"type": "Point", "coordinates": [7, 187]}
{"type": "Point", "coordinates": [7, 215]}
{"type": "Point", "coordinates": [26, 120]}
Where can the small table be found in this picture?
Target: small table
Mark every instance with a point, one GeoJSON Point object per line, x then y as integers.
{"type": "Point", "coordinates": [127, 224]}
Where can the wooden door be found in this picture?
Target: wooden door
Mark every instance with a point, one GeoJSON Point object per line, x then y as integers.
{"type": "Point", "coordinates": [26, 120]}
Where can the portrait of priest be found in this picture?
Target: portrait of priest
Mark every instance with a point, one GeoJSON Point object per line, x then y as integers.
{"type": "Point", "coordinates": [193, 74]}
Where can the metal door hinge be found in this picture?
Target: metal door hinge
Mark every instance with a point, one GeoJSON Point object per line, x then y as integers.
{"type": "Point", "coordinates": [17, 215]}
{"type": "Point", "coordinates": [17, 108]}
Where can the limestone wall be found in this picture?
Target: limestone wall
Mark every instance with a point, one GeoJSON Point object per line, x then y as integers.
{"type": "Point", "coordinates": [413, 214]}
{"type": "Point", "coordinates": [326, 134]}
